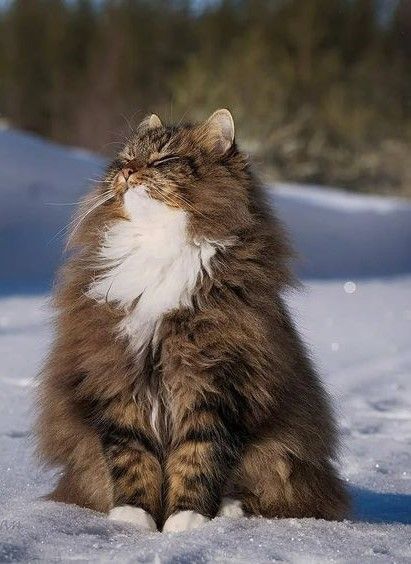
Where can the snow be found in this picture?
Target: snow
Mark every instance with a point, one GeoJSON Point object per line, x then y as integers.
{"type": "Point", "coordinates": [36, 178]}
{"type": "Point", "coordinates": [340, 200]}
{"type": "Point", "coordinates": [338, 234]}
{"type": "Point", "coordinates": [354, 312]}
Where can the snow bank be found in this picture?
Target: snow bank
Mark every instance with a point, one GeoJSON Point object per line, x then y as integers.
{"type": "Point", "coordinates": [36, 178]}
{"type": "Point", "coordinates": [336, 234]}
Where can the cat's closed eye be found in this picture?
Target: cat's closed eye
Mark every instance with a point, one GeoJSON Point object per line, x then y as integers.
{"type": "Point", "coordinates": [164, 160]}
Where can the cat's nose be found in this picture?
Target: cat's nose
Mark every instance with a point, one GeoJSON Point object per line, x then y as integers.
{"type": "Point", "coordinates": [127, 172]}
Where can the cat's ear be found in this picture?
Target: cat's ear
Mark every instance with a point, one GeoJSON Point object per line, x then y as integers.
{"type": "Point", "coordinates": [217, 133]}
{"type": "Point", "coordinates": [150, 122]}
{"type": "Point", "coordinates": [154, 122]}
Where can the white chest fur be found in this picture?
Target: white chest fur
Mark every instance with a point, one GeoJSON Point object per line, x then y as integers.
{"type": "Point", "coordinates": [150, 258]}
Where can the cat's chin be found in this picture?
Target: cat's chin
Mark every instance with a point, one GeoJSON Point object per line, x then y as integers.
{"type": "Point", "coordinates": [184, 521]}
{"type": "Point", "coordinates": [136, 194]}
{"type": "Point", "coordinates": [141, 206]}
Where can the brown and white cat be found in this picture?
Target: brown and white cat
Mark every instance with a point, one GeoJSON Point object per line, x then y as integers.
{"type": "Point", "coordinates": [177, 387]}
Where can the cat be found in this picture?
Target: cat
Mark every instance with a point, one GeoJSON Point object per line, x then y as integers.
{"type": "Point", "coordinates": [177, 387]}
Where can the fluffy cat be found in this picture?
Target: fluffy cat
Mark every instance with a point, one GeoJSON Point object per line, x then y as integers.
{"type": "Point", "coordinates": [177, 387]}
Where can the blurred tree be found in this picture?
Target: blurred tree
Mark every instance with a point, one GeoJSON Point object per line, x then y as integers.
{"type": "Point", "coordinates": [320, 89]}
{"type": "Point", "coordinates": [30, 36]}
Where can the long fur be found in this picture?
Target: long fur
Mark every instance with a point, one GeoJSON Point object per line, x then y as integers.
{"type": "Point", "coordinates": [176, 376]}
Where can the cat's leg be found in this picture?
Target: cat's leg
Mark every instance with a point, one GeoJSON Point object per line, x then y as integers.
{"type": "Point", "coordinates": [65, 441]}
{"type": "Point", "coordinates": [197, 467]}
{"type": "Point", "coordinates": [106, 468]}
{"type": "Point", "coordinates": [137, 476]}
{"type": "Point", "coordinates": [106, 465]}
{"type": "Point", "coordinates": [277, 484]}
{"type": "Point", "coordinates": [85, 481]}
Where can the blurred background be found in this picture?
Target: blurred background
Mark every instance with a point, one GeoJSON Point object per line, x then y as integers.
{"type": "Point", "coordinates": [320, 89]}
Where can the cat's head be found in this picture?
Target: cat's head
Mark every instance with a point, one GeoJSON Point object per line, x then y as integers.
{"type": "Point", "coordinates": [196, 168]}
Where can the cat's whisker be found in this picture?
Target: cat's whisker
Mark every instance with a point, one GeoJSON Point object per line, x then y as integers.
{"type": "Point", "coordinates": [119, 143]}
{"type": "Point", "coordinates": [62, 203]}
{"type": "Point", "coordinates": [95, 205]}
{"type": "Point", "coordinates": [187, 203]}
{"type": "Point", "coordinates": [95, 196]}
{"type": "Point", "coordinates": [99, 180]}
{"type": "Point", "coordinates": [83, 201]}
{"type": "Point", "coordinates": [179, 198]}
{"type": "Point", "coordinates": [182, 118]}
{"type": "Point", "coordinates": [128, 122]}
{"type": "Point", "coordinates": [61, 231]}
{"type": "Point", "coordinates": [166, 197]}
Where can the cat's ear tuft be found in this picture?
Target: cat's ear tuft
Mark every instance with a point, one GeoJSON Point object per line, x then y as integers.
{"type": "Point", "coordinates": [150, 122]}
{"type": "Point", "coordinates": [218, 131]}
{"type": "Point", "coordinates": [154, 122]}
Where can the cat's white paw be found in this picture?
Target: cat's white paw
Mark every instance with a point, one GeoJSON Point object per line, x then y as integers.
{"type": "Point", "coordinates": [230, 508]}
{"type": "Point", "coordinates": [135, 515]}
{"type": "Point", "coordinates": [184, 521]}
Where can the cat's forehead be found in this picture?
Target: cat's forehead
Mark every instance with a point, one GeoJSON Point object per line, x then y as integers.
{"type": "Point", "coordinates": [146, 143]}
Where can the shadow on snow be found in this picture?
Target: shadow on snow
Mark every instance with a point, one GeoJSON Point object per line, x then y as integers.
{"type": "Point", "coordinates": [379, 507]}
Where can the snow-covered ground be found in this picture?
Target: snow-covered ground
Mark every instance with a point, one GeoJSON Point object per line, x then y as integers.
{"type": "Point", "coordinates": [355, 313]}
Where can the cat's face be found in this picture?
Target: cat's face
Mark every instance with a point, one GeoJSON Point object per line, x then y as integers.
{"type": "Point", "coordinates": [194, 168]}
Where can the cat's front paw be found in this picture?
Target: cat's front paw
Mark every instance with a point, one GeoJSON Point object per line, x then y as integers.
{"type": "Point", "coordinates": [184, 521]}
{"type": "Point", "coordinates": [134, 515]}
{"type": "Point", "coordinates": [230, 508]}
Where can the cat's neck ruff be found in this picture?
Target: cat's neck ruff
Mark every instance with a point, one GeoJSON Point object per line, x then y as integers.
{"type": "Point", "coordinates": [150, 265]}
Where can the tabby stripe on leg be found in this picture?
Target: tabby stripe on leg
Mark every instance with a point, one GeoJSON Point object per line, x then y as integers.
{"type": "Point", "coordinates": [111, 434]}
